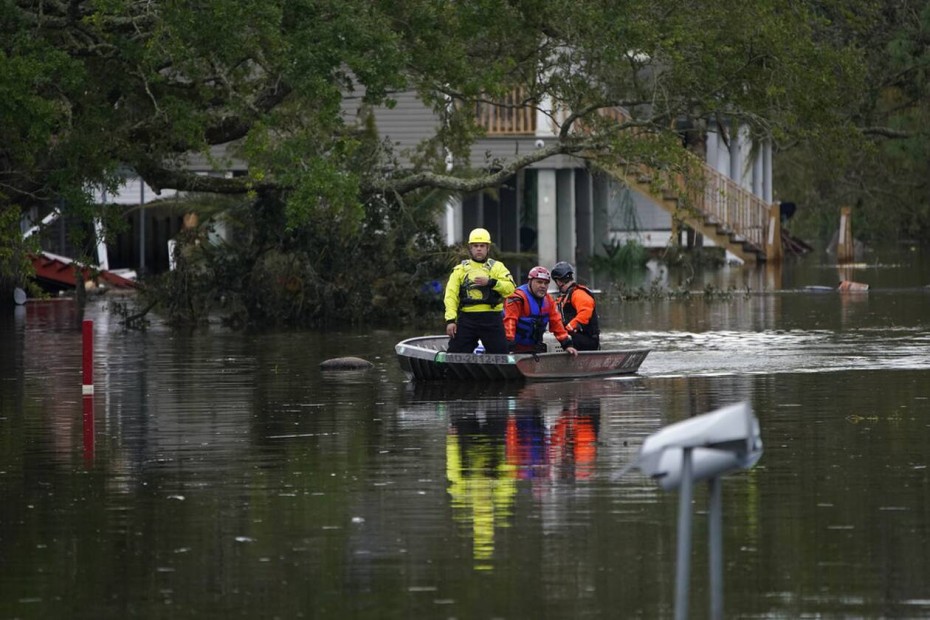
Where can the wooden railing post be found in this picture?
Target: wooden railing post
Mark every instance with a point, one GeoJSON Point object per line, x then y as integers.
{"type": "Point", "coordinates": [845, 252]}
{"type": "Point", "coordinates": [773, 234]}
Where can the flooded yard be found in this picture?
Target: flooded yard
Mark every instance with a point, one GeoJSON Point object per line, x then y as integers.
{"type": "Point", "coordinates": [222, 474]}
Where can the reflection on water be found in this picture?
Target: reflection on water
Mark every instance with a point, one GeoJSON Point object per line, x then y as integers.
{"type": "Point", "coordinates": [895, 269]}
{"type": "Point", "coordinates": [481, 478]}
{"type": "Point", "coordinates": [225, 475]}
{"type": "Point", "coordinates": [543, 434]}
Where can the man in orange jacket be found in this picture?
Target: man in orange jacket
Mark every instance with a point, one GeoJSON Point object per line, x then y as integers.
{"type": "Point", "coordinates": [529, 312]}
{"type": "Point", "coordinates": [577, 308]}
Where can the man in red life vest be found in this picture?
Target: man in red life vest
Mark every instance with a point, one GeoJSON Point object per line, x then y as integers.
{"type": "Point", "coordinates": [529, 312]}
{"type": "Point", "coordinates": [577, 308]}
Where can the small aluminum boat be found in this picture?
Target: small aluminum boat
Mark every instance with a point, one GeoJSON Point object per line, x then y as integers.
{"type": "Point", "coordinates": [425, 357]}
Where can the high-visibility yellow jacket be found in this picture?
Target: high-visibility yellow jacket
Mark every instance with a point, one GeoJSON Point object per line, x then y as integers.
{"type": "Point", "coordinates": [462, 295]}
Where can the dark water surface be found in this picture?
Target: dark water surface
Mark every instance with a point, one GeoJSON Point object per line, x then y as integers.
{"type": "Point", "coordinates": [224, 475]}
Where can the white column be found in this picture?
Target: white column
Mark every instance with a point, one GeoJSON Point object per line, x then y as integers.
{"type": "Point", "coordinates": [745, 152]}
{"type": "Point", "coordinates": [767, 171]}
{"type": "Point", "coordinates": [452, 221]}
{"type": "Point", "coordinates": [713, 143]}
{"type": "Point", "coordinates": [546, 240]}
{"type": "Point", "coordinates": [736, 162]}
{"type": "Point", "coordinates": [545, 127]}
{"type": "Point", "coordinates": [103, 260]}
{"type": "Point", "coordinates": [565, 222]}
{"type": "Point", "coordinates": [584, 213]}
{"type": "Point", "coordinates": [723, 157]}
{"type": "Point", "coordinates": [601, 205]}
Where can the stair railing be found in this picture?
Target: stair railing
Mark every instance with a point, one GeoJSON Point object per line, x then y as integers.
{"type": "Point", "coordinates": [734, 208]}
{"type": "Point", "coordinates": [710, 195]}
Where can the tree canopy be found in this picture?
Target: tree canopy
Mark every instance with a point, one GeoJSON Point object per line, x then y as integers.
{"type": "Point", "coordinates": [880, 169]}
{"type": "Point", "coordinates": [93, 87]}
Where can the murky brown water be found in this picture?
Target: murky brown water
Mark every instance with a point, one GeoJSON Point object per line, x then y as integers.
{"type": "Point", "coordinates": [225, 475]}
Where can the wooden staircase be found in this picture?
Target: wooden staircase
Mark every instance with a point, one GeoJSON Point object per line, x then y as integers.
{"type": "Point", "coordinates": [706, 201]}
{"type": "Point", "coordinates": [703, 199]}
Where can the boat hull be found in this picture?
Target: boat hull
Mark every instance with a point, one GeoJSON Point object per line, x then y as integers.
{"type": "Point", "coordinates": [585, 364]}
{"type": "Point", "coordinates": [425, 358]}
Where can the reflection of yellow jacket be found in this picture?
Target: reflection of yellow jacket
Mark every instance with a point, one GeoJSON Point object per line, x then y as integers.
{"type": "Point", "coordinates": [462, 295]}
{"type": "Point", "coordinates": [482, 495]}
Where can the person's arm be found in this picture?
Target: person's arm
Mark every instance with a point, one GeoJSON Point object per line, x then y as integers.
{"type": "Point", "coordinates": [584, 306]}
{"type": "Point", "coordinates": [451, 300]}
{"type": "Point", "coordinates": [558, 330]}
{"type": "Point", "coordinates": [513, 308]}
{"type": "Point", "coordinates": [501, 280]}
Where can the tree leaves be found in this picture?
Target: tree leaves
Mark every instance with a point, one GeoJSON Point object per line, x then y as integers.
{"type": "Point", "coordinates": [164, 78]}
{"type": "Point", "coordinates": [93, 87]}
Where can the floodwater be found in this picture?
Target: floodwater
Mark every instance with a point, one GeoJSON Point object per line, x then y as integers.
{"type": "Point", "coordinates": [219, 474]}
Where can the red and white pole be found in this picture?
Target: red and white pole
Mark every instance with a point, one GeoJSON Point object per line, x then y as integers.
{"type": "Point", "coordinates": [88, 365]}
{"type": "Point", "coordinates": [87, 389]}
{"type": "Point", "coordinates": [88, 428]}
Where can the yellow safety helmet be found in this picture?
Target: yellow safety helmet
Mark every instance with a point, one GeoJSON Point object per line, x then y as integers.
{"type": "Point", "coordinates": [479, 235]}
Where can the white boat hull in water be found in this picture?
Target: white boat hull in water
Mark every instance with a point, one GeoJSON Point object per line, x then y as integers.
{"type": "Point", "coordinates": [425, 357]}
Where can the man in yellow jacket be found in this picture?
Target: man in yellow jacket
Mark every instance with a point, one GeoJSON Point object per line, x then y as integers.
{"type": "Point", "coordinates": [474, 299]}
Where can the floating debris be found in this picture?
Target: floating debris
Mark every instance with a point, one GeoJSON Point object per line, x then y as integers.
{"type": "Point", "coordinates": [346, 363]}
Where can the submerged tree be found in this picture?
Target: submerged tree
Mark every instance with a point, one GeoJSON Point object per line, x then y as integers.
{"type": "Point", "coordinates": [94, 87]}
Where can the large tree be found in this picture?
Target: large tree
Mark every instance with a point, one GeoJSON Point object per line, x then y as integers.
{"type": "Point", "coordinates": [881, 167]}
{"type": "Point", "coordinates": [91, 87]}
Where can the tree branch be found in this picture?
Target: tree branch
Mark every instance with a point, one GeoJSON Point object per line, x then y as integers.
{"type": "Point", "coordinates": [159, 178]}
{"type": "Point", "coordinates": [430, 179]}
{"type": "Point", "coordinates": [888, 132]}
{"type": "Point", "coordinates": [235, 127]}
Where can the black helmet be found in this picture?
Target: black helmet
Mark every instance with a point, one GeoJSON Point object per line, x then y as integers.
{"type": "Point", "coordinates": [563, 271]}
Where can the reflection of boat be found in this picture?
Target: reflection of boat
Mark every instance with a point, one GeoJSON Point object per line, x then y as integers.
{"type": "Point", "coordinates": [446, 391]}
{"type": "Point", "coordinates": [541, 391]}
{"type": "Point", "coordinates": [596, 388]}
{"type": "Point", "coordinates": [426, 358]}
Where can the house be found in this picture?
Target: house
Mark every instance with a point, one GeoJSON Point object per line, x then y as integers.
{"type": "Point", "coordinates": [559, 208]}
{"type": "Point", "coordinates": [152, 220]}
{"type": "Point", "coordinates": [562, 209]}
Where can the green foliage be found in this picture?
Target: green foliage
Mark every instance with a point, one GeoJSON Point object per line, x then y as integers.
{"type": "Point", "coordinates": [89, 89]}
{"type": "Point", "coordinates": [880, 166]}
{"type": "Point", "coordinates": [145, 84]}
{"type": "Point", "coordinates": [14, 256]}
{"type": "Point", "coordinates": [382, 272]}
{"type": "Point", "coordinates": [692, 258]}
{"type": "Point", "coordinates": [620, 259]}
{"type": "Point", "coordinates": [656, 290]}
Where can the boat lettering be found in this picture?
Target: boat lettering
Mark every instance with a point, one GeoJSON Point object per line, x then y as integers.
{"type": "Point", "coordinates": [471, 358]}
{"type": "Point", "coordinates": [601, 364]}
